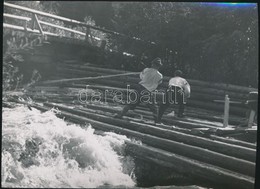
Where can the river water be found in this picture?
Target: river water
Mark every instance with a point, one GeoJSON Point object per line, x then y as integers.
{"type": "Point", "coordinates": [41, 150]}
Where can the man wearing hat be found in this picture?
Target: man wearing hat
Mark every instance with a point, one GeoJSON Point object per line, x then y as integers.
{"type": "Point", "coordinates": [177, 92]}
{"type": "Point", "coordinates": [150, 79]}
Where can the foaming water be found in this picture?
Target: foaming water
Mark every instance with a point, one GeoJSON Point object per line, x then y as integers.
{"type": "Point", "coordinates": [41, 150]}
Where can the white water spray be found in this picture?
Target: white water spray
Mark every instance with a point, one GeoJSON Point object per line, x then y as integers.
{"type": "Point", "coordinates": [41, 150]}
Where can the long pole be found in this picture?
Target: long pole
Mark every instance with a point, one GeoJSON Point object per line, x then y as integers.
{"type": "Point", "coordinates": [89, 78]}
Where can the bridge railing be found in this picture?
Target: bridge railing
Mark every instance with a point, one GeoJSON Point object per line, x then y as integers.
{"type": "Point", "coordinates": [36, 24]}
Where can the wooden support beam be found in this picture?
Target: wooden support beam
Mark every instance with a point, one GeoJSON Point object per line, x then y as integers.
{"type": "Point", "coordinates": [251, 118]}
{"type": "Point", "coordinates": [25, 27]}
{"type": "Point", "coordinates": [38, 24]}
{"type": "Point", "coordinates": [226, 111]}
{"type": "Point", "coordinates": [89, 36]}
{"type": "Point", "coordinates": [103, 44]}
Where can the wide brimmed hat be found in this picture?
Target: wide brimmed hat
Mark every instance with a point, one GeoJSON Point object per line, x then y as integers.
{"type": "Point", "coordinates": [157, 61]}
{"type": "Point", "coordinates": [178, 73]}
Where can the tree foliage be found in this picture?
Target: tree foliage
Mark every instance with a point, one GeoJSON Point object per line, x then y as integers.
{"type": "Point", "coordinates": [211, 43]}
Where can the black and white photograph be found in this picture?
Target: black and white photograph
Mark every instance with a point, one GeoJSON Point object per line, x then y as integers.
{"type": "Point", "coordinates": [130, 94]}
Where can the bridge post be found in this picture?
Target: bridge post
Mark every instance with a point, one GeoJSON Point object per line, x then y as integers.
{"type": "Point", "coordinates": [37, 23]}
{"type": "Point", "coordinates": [32, 23]}
{"type": "Point", "coordinates": [103, 44]}
{"type": "Point", "coordinates": [25, 26]}
{"type": "Point", "coordinates": [88, 36]}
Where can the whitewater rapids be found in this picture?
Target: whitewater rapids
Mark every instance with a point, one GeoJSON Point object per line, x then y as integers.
{"type": "Point", "coordinates": [41, 150]}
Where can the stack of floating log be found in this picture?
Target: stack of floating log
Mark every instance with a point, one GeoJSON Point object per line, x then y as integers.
{"type": "Point", "coordinates": [203, 93]}
{"type": "Point", "coordinates": [210, 160]}
{"type": "Point", "coordinates": [201, 106]}
{"type": "Point", "coordinates": [204, 156]}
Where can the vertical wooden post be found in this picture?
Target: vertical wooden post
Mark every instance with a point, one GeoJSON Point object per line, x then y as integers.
{"type": "Point", "coordinates": [33, 22]}
{"type": "Point", "coordinates": [25, 26]}
{"type": "Point", "coordinates": [103, 44]}
{"type": "Point", "coordinates": [251, 118]}
{"type": "Point", "coordinates": [36, 20]}
{"type": "Point", "coordinates": [88, 36]}
{"type": "Point", "coordinates": [226, 111]}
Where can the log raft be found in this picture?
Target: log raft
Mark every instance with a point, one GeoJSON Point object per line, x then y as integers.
{"type": "Point", "coordinates": [177, 159]}
{"type": "Point", "coordinates": [181, 144]}
{"type": "Point", "coordinates": [189, 143]}
{"type": "Point", "coordinates": [190, 146]}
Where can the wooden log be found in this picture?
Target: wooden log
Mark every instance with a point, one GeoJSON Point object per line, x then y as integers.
{"type": "Point", "coordinates": [214, 116]}
{"type": "Point", "coordinates": [197, 92]}
{"type": "Point", "coordinates": [192, 112]}
{"type": "Point", "coordinates": [193, 103]}
{"type": "Point", "coordinates": [234, 141]}
{"type": "Point", "coordinates": [200, 115]}
{"type": "Point", "coordinates": [228, 131]}
{"type": "Point", "coordinates": [233, 110]}
{"type": "Point", "coordinates": [187, 122]}
{"type": "Point", "coordinates": [87, 78]}
{"type": "Point", "coordinates": [208, 116]}
{"type": "Point", "coordinates": [7, 105]}
{"type": "Point", "coordinates": [206, 173]}
{"type": "Point", "coordinates": [146, 112]}
{"type": "Point", "coordinates": [90, 107]}
{"type": "Point", "coordinates": [232, 150]}
{"type": "Point", "coordinates": [229, 87]}
{"type": "Point", "coordinates": [201, 170]}
{"type": "Point", "coordinates": [197, 96]}
{"type": "Point", "coordinates": [103, 110]}
{"type": "Point", "coordinates": [183, 123]}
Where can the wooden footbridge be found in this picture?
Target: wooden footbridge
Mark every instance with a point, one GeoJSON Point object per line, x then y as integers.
{"type": "Point", "coordinates": [196, 149]}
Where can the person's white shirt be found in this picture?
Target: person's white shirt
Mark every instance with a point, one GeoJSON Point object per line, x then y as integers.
{"type": "Point", "coordinates": [150, 78]}
{"type": "Point", "coordinates": [181, 82]}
